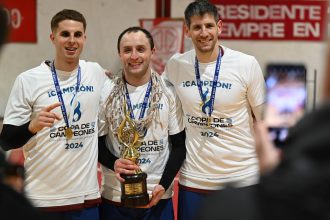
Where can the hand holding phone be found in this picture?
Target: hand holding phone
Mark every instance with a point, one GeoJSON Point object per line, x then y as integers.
{"type": "Point", "coordinates": [286, 99]}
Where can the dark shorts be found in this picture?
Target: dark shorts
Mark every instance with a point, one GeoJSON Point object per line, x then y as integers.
{"type": "Point", "coordinates": [191, 201]}
{"type": "Point", "coordinates": [162, 211]}
{"type": "Point", "coordinates": [91, 213]}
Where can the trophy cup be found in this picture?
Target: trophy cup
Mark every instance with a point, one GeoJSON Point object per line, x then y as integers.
{"type": "Point", "coordinates": [134, 190]}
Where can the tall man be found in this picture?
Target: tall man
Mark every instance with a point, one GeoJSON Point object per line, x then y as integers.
{"type": "Point", "coordinates": [220, 90]}
{"type": "Point", "coordinates": [52, 112]}
{"type": "Point", "coordinates": [141, 96]}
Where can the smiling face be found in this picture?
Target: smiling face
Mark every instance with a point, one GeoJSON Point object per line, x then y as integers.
{"type": "Point", "coordinates": [69, 39]}
{"type": "Point", "coordinates": [204, 32]}
{"type": "Point", "coordinates": [135, 53]}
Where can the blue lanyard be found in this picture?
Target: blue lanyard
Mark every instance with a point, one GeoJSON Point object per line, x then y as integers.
{"type": "Point", "coordinates": [144, 104]}
{"type": "Point", "coordinates": [214, 84]}
{"type": "Point", "coordinates": [59, 92]}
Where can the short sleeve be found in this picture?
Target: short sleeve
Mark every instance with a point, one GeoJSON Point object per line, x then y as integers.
{"type": "Point", "coordinates": [102, 120]}
{"type": "Point", "coordinates": [175, 124]}
{"type": "Point", "coordinates": [256, 85]}
{"type": "Point", "coordinates": [19, 108]}
{"type": "Point", "coordinates": [170, 70]}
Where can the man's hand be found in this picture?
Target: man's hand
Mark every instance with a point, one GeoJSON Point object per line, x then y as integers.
{"type": "Point", "coordinates": [157, 195]}
{"type": "Point", "coordinates": [45, 118]}
{"type": "Point", "coordinates": [124, 166]}
{"type": "Point", "coordinates": [110, 74]}
{"type": "Point", "coordinates": [269, 156]}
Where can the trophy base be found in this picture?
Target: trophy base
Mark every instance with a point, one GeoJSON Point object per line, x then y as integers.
{"type": "Point", "coordinates": [134, 190]}
{"type": "Point", "coordinates": [135, 201]}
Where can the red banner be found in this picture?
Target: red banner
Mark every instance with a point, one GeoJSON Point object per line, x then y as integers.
{"type": "Point", "coordinates": [22, 20]}
{"type": "Point", "coordinates": [168, 37]}
{"type": "Point", "coordinates": [273, 19]}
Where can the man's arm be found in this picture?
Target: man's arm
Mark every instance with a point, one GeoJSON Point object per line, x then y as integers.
{"type": "Point", "coordinates": [256, 91]}
{"type": "Point", "coordinates": [105, 157]}
{"type": "Point", "coordinates": [13, 137]}
{"type": "Point", "coordinates": [175, 160]}
{"type": "Point", "coordinates": [258, 112]}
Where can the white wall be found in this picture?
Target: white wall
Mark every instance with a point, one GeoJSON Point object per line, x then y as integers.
{"type": "Point", "coordinates": [107, 18]}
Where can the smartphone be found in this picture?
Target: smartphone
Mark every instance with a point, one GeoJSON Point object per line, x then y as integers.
{"type": "Point", "coordinates": [286, 99]}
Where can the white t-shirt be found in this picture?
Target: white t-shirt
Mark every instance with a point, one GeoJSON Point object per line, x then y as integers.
{"type": "Point", "coordinates": [223, 153]}
{"type": "Point", "coordinates": [59, 171]}
{"type": "Point", "coordinates": [155, 148]}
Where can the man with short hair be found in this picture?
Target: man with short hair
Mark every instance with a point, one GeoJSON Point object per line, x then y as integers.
{"type": "Point", "coordinates": [52, 113]}
{"type": "Point", "coordinates": [220, 90]}
{"type": "Point", "coordinates": [142, 99]}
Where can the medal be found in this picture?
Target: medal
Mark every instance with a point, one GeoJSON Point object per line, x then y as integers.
{"type": "Point", "coordinates": [141, 129]}
{"type": "Point", "coordinates": [68, 133]}
{"type": "Point", "coordinates": [209, 120]}
{"type": "Point", "coordinates": [207, 104]}
{"type": "Point", "coordinates": [68, 130]}
{"type": "Point", "coordinates": [129, 134]}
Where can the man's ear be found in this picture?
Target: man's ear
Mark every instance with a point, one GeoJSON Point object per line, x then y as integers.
{"type": "Point", "coordinates": [52, 37]}
{"type": "Point", "coordinates": [219, 24]}
{"type": "Point", "coordinates": [186, 29]}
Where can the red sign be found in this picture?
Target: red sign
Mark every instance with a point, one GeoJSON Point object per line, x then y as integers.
{"type": "Point", "coordinates": [273, 19]}
{"type": "Point", "coordinates": [22, 20]}
{"type": "Point", "coordinates": [168, 37]}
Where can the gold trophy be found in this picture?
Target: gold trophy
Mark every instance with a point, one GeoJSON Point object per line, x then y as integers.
{"type": "Point", "coordinates": [134, 190]}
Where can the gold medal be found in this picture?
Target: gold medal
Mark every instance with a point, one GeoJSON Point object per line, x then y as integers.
{"type": "Point", "coordinates": [68, 133]}
{"type": "Point", "coordinates": [209, 120]}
